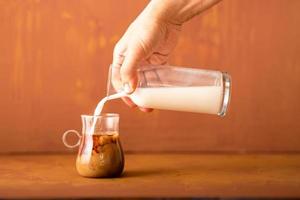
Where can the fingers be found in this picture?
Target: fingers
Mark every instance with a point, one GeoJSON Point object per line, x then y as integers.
{"type": "Point", "coordinates": [118, 59]}
{"type": "Point", "coordinates": [128, 75]}
{"type": "Point", "coordinates": [115, 84]}
{"type": "Point", "coordinates": [128, 70]}
{"type": "Point", "coordinates": [129, 102]}
{"type": "Point", "coordinates": [126, 60]}
{"type": "Point", "coordinates": [146, 109]}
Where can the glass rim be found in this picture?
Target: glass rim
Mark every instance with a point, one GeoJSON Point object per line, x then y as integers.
{"type": "Point", "coordinates": [103, 115]}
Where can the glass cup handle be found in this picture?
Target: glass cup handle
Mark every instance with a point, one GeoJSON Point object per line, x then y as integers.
{"type": "Point", "coordinates": [64, 138]}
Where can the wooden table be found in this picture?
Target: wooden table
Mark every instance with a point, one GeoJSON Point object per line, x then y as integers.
{"type": "Point", "coordinates": [154, 175]}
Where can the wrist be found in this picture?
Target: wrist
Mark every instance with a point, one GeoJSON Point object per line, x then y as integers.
{"type": "Point", "coordinates": [164, 12]}
{"type": "Point", "coordinates": [176, 12]}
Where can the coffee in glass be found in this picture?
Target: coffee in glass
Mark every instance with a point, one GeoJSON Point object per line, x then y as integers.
{"type": "Point", "coordinates": [100, 152]}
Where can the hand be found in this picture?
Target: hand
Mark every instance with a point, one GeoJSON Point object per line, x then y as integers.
{"type": "Point", "coordinates": [147, 41]}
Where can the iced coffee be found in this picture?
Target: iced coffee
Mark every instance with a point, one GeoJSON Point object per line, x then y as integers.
{"type": "Point", "coordinates": [100, 152]}
{"type": "Point", "coordinates": [100, 155]}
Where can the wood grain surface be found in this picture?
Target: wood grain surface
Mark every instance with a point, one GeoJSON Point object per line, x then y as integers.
{"type": "Point", "coordinates": [54, 58]}
{"type": "Point", "coordinates": [154, 175]}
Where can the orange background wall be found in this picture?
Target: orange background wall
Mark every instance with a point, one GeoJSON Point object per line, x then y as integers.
{"type": "Point", "coordinates": [54, 58]}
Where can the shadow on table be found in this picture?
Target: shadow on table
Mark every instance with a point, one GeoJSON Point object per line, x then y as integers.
{"type": "Point", "coordinates": [143, 173]}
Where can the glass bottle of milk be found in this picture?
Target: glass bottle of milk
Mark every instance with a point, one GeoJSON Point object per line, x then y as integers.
{"type": "Point", "coordinates": [177, 88]}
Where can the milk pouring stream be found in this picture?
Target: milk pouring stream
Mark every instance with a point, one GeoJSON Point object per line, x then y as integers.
{"type": "Point", "coordinates": [100, 106]}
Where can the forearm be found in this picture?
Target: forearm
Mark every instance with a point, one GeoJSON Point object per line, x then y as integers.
{"type": "Point", "coordinates": [176, 11]}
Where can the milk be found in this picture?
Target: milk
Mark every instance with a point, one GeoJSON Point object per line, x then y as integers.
{"type": "Point", "coordinates": [100, 106]}
{"type": "Point", "coordinates": [201, 99]}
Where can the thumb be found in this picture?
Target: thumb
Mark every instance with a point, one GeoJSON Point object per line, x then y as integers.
{"type": "Point", "coordinates": [128, 69]}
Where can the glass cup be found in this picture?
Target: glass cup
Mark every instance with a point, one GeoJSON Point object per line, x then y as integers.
{"type": "Point", "coordinates": [100, 152]}
{"type": "Point", "coordinates": [177, 88]}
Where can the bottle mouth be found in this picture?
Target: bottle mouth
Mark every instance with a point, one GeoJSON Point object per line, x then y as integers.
{"type": "Point", "coordinates": [226, 94]}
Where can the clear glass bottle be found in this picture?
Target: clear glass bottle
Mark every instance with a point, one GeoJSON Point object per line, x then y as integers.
{"type": "Point", "coordinates": [177, 88]}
